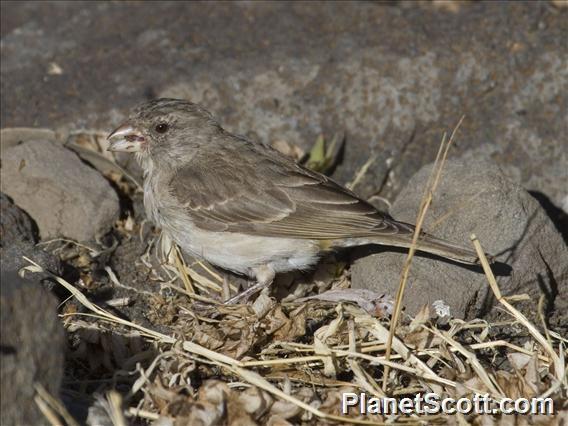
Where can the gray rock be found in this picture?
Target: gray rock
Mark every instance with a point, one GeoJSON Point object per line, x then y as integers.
{"type": "Point", "coordinates": [13, 259]}
{"type": "Point", "coordinates": [474, 196]}
{"type": "Point", "coordinates": [379, 73]}
{"type": "Point", "coordinates": [15, 225]}
{"type": "Point", "coordinates": [13, 136]}
{"type": "Point", "coordinates": [32, 349]}
{"type": "Point", "coordinates": [18, 236]}
{"type": "Point", "coordinates": [64, 196]}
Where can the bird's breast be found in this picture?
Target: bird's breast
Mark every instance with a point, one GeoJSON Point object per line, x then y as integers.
{"type": "Point", "coordinates": [152, 204]}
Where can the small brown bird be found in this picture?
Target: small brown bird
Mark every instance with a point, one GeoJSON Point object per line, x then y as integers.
{"type": "Point", "coordinates": [244, 206]}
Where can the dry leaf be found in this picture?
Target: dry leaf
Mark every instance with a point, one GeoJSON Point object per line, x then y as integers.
{"type": "Point", "coordinates": [372, 302]}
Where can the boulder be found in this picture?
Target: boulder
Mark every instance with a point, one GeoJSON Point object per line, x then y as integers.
{"type": "Point", "coordinates": [474, 196]}
{"type": "Point", "coordinates": [382, 74]}
{"type": "Point", "coordinates": [12, 136]}
{"type": "Point", "coordinates": [64, 196]}
{"type": "Point", "coordinates": [18, 237]}
{"type": "Point", "coordinates": [33, 349]}
{"type": "Point", "coordinates": [15, 225]}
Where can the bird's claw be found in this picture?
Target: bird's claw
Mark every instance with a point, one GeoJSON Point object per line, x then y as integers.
{"type": "Point", "coordinates": [245, 295]}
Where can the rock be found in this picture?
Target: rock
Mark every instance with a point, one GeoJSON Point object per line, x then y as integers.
{"type": "Point", "coordinates": [18, 236]}
{"type": "Point", "coordinates": [33, 349]}
{"type": "Point", "coordinates": [13, 260]}
{"type": "Point", "coordinates": [380, 74]}
{"type": "Point", "coordinates": [65, 197]}
{"type": "Point", "coordinates": [474, 197]}
{"type": "Point", "coordinates": [103, 162]}
{"type": "Point", "coordinates": [13, 136]}
{"type": "Point", "coordinates": [15, 225]}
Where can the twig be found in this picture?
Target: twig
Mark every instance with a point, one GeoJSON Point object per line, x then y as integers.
{"type": "Point", "coordinates": [559, 367]}
{"type": "Point", "coordinates": [426, 201]}
{"type": "Point", "coordinates": [51, 407]}
{"type": "Point", "coordinates": [181, 267]}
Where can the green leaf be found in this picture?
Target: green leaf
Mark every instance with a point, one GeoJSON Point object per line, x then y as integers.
{"type": "Point", "coordinates": [321, 158]}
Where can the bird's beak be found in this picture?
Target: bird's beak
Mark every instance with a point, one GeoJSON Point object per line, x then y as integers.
{"type": "Point", "coordinates": [126, 138]}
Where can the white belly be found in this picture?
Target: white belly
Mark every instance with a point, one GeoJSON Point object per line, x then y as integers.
{"type": "Point", "coordinates": [243, 253]}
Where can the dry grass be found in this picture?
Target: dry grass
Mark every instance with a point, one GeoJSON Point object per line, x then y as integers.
{"type": "Point", "coordinates": [198, 362]}
{"type": "Point", "coordinates": [425, 203]}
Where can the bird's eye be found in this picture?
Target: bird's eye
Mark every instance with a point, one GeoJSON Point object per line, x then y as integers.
{"type": "Point", "coordinates": [161, 128]}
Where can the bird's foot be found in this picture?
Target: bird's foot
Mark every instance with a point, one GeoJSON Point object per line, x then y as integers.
{"type": "Point", "coordinates": [264, 277]}
{"type": "Point", "coordinates": [245, 295]}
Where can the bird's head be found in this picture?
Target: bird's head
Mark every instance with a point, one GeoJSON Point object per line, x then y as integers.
{"type": "Point", "coordinates": [164, 130]}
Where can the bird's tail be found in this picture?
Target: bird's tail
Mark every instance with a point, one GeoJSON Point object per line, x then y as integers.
{"type": "Point", "coordinates": [426, 243]}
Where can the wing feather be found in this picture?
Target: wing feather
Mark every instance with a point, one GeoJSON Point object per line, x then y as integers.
{"type": "Point", "coordinates": [251, 189]}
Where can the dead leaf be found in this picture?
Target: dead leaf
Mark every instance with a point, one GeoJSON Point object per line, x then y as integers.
{"type": "Point", "coordinates": [372, 302]}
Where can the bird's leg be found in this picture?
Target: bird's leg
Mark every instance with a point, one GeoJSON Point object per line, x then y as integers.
{"type": "Point", "coordinates": [226, 288]}
{"type": "Point", "coordinates": [264, 278]}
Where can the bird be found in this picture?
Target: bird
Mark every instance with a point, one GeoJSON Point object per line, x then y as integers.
{"type": "Point", "coordinates": [245, 207]}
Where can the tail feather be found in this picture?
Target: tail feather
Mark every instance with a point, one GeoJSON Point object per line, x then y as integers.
{"type": "Point", "coordinates": [440, 247]}
{"type": "Point", "coordinates": [426, 243]}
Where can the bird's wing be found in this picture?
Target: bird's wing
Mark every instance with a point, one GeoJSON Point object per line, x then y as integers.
{"type": "Point", "coordinates": [269, 195]}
